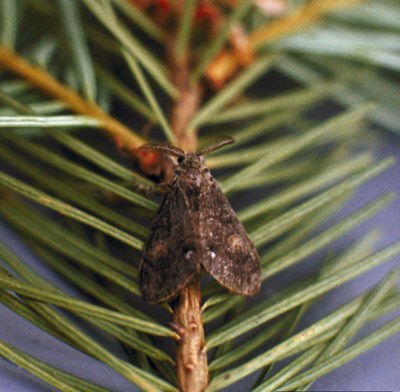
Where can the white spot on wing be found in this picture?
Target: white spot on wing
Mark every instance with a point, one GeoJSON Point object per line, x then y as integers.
{"type": "Point", "coordinates": [189, 254]}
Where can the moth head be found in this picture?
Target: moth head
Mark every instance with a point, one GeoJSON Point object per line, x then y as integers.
{"type": "Point", "coordinates": [180, 155]}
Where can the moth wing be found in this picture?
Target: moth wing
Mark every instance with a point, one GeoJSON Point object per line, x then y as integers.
{"type": "Point", "coordinates": [168, 260]}
{"type": "Point", "coordinates": [230, 256]}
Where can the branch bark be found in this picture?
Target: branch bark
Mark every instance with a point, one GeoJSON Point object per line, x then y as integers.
{"type": "Point", "coordinates": [191, 358]}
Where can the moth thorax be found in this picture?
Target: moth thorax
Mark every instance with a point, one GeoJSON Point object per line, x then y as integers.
{"type": "Point", "coordinates": [193, 178]}
{"type": "Point", "coordinates": [190, 170]}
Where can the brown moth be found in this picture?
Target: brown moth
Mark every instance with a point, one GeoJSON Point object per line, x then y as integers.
{"type": "Point", "coordinates": [196, 229]}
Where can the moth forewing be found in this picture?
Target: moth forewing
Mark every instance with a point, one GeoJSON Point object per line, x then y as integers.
{"type": "Point", "coordinates": [230, 257]}
{"type": "Point", "coordinates": [167, 265]}
{"type": "Point", "coordinates": [197, 228]}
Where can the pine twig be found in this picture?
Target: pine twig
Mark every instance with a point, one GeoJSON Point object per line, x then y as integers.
{"type": "Point", "coordinates": [188, 101]}
{"type": "Point", "coordinates": [39, 78]}
{"type": "Point", "coordinates": [191, 358]}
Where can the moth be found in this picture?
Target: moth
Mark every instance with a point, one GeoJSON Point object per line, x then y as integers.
{"type": "Point", "coordinates": [196, 229]}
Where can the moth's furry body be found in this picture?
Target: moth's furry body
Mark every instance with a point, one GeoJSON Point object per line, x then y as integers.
{"type": "Point", "coordinates": [196, 228]}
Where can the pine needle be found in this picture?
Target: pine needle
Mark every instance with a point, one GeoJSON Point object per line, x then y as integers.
{"type": "Point", "coordinates": [78, 47]}
{"type": "Point", "coordinates": [76, 306]}
{"type": "Point", "coordinates": [109, 20]}
{"type": "Point", "coordinates": [68, 210]}
{"type": "Point", "coordinates": [229, 92]}
{"type": "Point", "coordinates": [301, 339]}
{"type": "Point", "coordinates": [346, 355]}
{"type": "Point", "coordinates": [46, 373]}
{"type": "Point", "coordinates": [80, 172]}
{"type": "Point", "coordinates": [45, 82]}
{"type": "Point", "coordinates": [217, 44]}
{"type": "Point", "coordinates": [148, 93]}
{"type": "Point", "coordinates": [312, 291]}
{"type": "Point", "coordinates": [304, 16]}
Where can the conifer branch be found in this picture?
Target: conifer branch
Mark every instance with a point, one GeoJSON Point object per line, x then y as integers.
{"type": "Point", "coordinates": [278, 146]}
{"type": "Point", "coordinates": [191, 358]}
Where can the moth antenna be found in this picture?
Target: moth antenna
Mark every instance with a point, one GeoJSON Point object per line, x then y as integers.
{"type": "Point", "coordinates": [163, 148]}
{"type": "Point", "coordinates": [215, 145]}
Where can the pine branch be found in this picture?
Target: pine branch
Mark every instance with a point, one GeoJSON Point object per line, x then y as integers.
{"type": "Point", "coordinates": [191, 357]}
{"type": "Point", "coordinates": [186, 80]}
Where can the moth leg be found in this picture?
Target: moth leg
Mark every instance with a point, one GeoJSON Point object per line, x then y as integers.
{"type": "Point", "coordinates": [162, 187]}
{"type": "Point", "coordinates": [156, 189]}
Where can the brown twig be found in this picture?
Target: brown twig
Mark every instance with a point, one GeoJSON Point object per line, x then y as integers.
{"type": "Point", "coordinates": [191, 358]}
{"type": "Point", "coordinates": [226, 64]}
{"type": "Point", "coordinates": [38, 77]}
{"type": "Point", "coordinates": [304, 16]}
{"type": "Point", "coordinates": [187, 103]}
